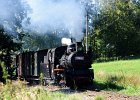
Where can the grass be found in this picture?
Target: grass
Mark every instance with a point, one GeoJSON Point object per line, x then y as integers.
{"type": "Point", "coordinates": [128, 66]}
{"type": "Point", "coordinates": [122, 76]}
{"type": "Point", "coordinates": [20, 91]}
{"type": "Point", "coordinates": [99, 98]}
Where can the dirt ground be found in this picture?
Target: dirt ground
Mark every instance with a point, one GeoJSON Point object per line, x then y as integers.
{"type": "Point", "coordinates": [91, 94]}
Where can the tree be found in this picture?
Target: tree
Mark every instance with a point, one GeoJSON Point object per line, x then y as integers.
{"type": "Point", "coordinates": [36, 41]}
{"type": "Point", "coordinates": [117, 29]}
{"type": "Point", "coordinates": [7, 48]}
{"type": "Point", "coordinates": [12, 13]}
{"type": "Point", "coordinates": [11, 17]}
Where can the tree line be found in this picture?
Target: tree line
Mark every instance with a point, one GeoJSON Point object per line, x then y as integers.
{"type": "Point", "coordinates": [116, 30]}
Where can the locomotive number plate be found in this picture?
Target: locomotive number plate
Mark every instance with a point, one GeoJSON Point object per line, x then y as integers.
{"type": "Point", "coordinates": [79, 58]}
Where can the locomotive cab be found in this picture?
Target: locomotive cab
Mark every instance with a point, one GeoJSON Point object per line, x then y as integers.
{"type": "Point", "coordinates": [71, 48]}
{"type": "Point", "coordinates": [79, 47]}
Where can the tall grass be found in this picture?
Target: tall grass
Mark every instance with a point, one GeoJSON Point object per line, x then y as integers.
{"type": "Point", "coordinates": [20, 91]}
{"type": "Point", "coordinates": [119, 78]}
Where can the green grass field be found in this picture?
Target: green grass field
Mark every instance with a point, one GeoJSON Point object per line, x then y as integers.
{"type": "Point", "coordinates": [124, 73]}
{"type": "Point", "coordinates": [131, 67]}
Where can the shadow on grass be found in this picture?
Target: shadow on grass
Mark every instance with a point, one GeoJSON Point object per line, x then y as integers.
{"type": "Point", "coordinates": [65, 91]}
{"type": "Point", "coordinates": [106, 86]}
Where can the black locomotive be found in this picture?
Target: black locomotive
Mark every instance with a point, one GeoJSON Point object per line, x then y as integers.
{"type": "Point", "coordinates": [68, 64]}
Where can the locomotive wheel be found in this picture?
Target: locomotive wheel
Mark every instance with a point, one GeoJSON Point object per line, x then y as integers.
{"type": "Point", "coordinates": [91, 82]}
{"type": "Point", "coordinates": [73, 85]}
{"type": "Point", "coordinates": [68, 81]}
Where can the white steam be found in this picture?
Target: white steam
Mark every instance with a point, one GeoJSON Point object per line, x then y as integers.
{"type": "Point", "coordinates": [66, 41]}
{"type": "Point", "coordinates": [44, 16]}
{"type": "Point", "coordinates": [55, 15]}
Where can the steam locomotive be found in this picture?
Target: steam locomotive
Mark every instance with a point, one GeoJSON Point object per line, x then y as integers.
{"type": "Point", "coordinates": [68, 64]}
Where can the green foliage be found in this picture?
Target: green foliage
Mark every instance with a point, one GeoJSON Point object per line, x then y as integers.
{"type": "Point", "coordinates": [6, 42]}
{"type": "Point", "coordinates": [7, 47]}
{"type": "Point", "coordinates": [41, 78]}
{"type": "Point", "coordinates": [10, 25]}
{"type": "Point", "coordinates": [41, 41]}
{"type": "Point", "coordinates": [116, 32]}
{"type": "Point", "coordinates": [5, 72]}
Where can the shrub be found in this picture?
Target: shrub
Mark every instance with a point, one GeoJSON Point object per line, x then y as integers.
{"type": "Point", "coordinates": [5, 74]}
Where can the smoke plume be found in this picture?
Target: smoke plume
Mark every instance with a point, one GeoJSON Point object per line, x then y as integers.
{"type": "Point", "coordinates": [55, 15]}
{"type": "Point", "coordinates": [43, 16]}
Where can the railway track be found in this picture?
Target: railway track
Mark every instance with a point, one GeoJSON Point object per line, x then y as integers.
{"type": "Point", "coordinates": [92, 93]}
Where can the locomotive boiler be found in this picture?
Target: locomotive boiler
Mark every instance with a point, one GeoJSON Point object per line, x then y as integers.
{"type": "Point", "coordinates": [76, 57]}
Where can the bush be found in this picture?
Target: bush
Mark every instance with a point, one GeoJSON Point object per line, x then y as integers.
{"type": "Point", "coordinates": [4, 72]}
